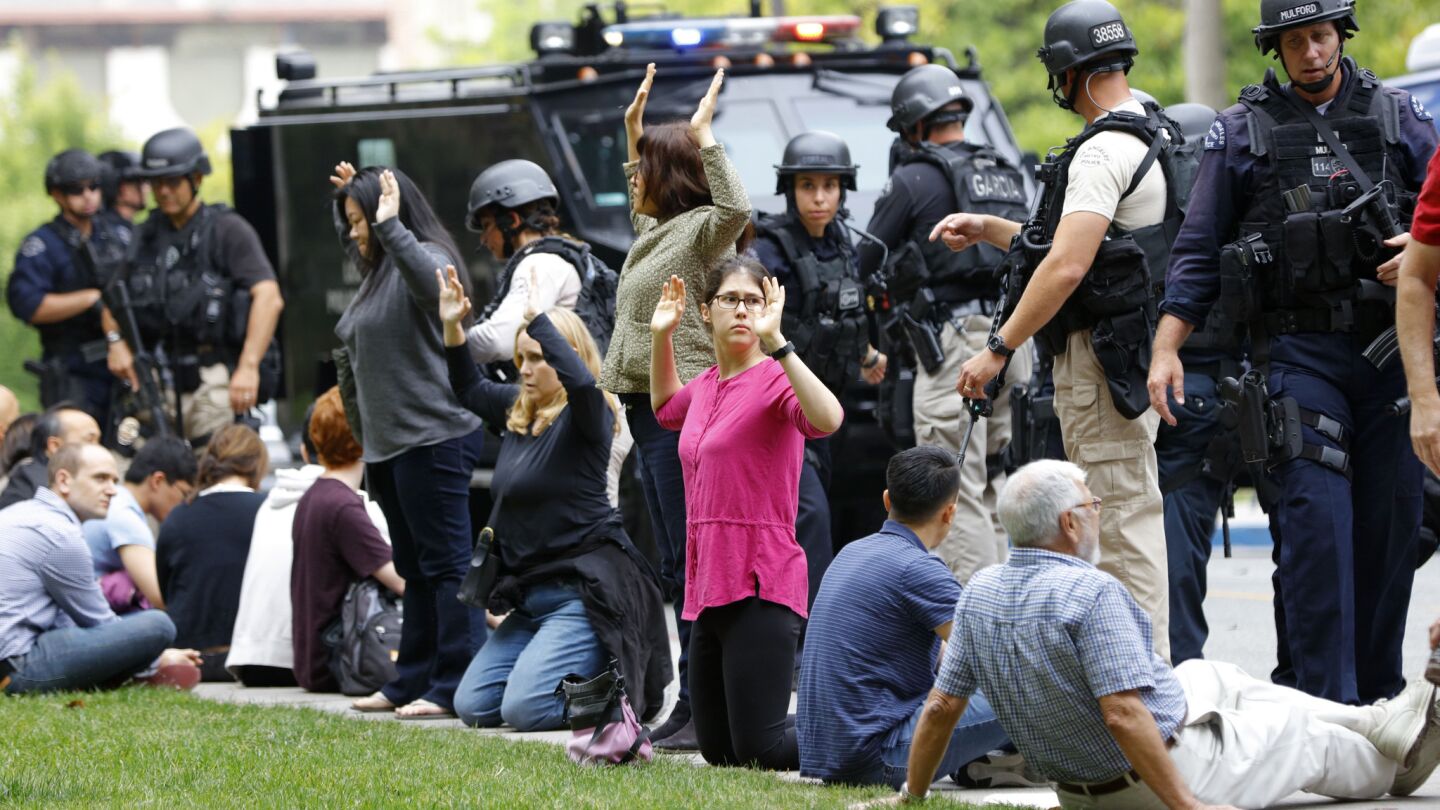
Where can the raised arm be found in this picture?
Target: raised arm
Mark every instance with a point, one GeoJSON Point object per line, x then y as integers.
{"type": "Point", "coordinates": [731, 211]}
{"type": "Point", "coordinates": [822, 410]}
{"type": "Point", "coordinates": [415, 261]}
{"type": "Point", "coordinates": [664, 379]}
{"type": "Point", "coordinates": [589, 411]}
{"type": "Point", "coordinates": [485, 398]}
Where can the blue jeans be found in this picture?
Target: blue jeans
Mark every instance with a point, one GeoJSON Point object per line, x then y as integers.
{"type": "Point", "coordinates": [86, 657]}
{"type": "Point", "coordinates": [425, 495]}
{"type": "Point", "coordinates": [658, 460]}
{"type": "Point", "coordinates": [977, 734]}
{"type": "Point", "coordinates": [513, 677]}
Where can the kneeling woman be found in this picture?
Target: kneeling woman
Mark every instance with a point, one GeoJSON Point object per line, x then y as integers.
{"type": "Point", "coordinates": [564, 558]}
{"type": "Point", "coordinates": [743, 426]}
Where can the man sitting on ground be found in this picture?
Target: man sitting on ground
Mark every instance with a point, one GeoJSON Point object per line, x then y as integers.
{"type": "Point", "coordinates": [874, 634]}
{"type": "Point", "coordinates": [56, 632]}
{"type": "Point", "coordinates": [160, 477]}
{"type": "Point", "coordinates": [1064, 654]}
{"type": "Point", "coordinates": [59, 426]}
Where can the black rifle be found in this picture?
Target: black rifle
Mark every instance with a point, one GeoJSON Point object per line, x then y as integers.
{"type": "Point", "coordinates": [151, 402]}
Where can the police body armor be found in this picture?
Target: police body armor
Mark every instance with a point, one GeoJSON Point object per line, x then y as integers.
{"type": "Point", "coordinates": [187, 304]}
{"type": "Point", "coordinates": [983, 182]}
{"type": "Point", "coordinates": [829, 328]}
{"type": "Point", "coordinates": [1318, 274]}
{"type": "Point", "coordinates": [1116, 300]}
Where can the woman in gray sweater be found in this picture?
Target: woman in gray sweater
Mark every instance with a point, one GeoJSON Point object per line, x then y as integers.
{"type": "Point", "coordinates": [689, 210]}
{"type": "Point", "coordinates": [420, 444]}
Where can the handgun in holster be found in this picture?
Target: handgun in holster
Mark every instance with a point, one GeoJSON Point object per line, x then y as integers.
{"type": "Point", "coordinates": [1269, 429]}
{"type": "Point", "coordinates": [917, 319]}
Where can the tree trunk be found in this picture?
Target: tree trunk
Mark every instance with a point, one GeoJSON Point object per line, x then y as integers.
{"type": "Point", "coordinates": [1205, 53]}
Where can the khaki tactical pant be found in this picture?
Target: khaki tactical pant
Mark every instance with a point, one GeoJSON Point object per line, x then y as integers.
{"type": "Point", "coordinates": [975, 539]}
{"type": "Point", "coordinates": [1118, 456]}
{"type": "Point", "coordinates": [207, 408]}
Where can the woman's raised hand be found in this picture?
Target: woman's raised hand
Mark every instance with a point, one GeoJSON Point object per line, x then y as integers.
{"type": "Point", "coordinates": [389, 206]}
{"type": "Point", "coordinates": [670, 307]}
{"type": "Point", "coordinates": [454, 305]}
{"type": "Point", "coordinates": [635, 113]}
{"type": "Point", "coordinates": [344, 172]}
{"type": "Point", "coordinates": [532, 298]}
{"type": "Point", "coordinates": [767, 323]}
{"type": "Point", "coordinates": [705, 113]}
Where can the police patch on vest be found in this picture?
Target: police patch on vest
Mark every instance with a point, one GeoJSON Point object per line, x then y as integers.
{"type": "Point", "coordinates": [32, 247]}
{"type": "Point", "coordinates": [1299, 12]}
{"type": "Point", "coordinates": [995, 187]}
{"type": "Point", "coordinates": [1215, 138]}
{"type": "Point", "coordinates": [1420, 111]}
{"type": "Point", "coordinates": [1108, 34]}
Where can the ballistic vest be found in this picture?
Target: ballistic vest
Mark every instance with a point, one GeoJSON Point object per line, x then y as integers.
{"type": "Point", "coordinates": [828, 327]}
{"type": "Point", "coordinates": [1317, 266]}
{"type": "Point", "coordinates": [176, 288]}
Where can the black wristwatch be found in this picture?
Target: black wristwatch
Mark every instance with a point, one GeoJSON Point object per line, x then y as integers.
{"type": "Point", "coordinates": [997, 345]}
{"type": "Point", "coordinates": [779, 354]}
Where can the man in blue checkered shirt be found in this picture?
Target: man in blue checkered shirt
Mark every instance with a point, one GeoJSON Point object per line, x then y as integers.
{"type": "Point", "coordinates": [1064, 654]}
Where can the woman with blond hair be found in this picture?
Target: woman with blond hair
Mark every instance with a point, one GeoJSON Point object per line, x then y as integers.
{"type": "Point", "coordinates": [565, 562]}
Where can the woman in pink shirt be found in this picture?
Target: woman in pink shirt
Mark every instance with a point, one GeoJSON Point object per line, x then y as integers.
{"type": "Point", "coordinates": [743, 425]}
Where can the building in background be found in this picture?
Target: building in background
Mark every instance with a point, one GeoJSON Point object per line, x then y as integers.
{"type": "Point", "coordinates": [163, 63]}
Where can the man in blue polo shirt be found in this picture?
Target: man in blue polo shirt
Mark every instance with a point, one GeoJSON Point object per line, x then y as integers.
{"type": "Point", "coordinates": [874, 635]}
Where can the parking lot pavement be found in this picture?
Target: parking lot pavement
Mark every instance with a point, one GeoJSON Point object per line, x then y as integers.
{"type": "Point", "coordinates": [1242, 631]}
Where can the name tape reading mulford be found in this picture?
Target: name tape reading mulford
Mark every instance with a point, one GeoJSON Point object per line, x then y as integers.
{"type": "Point", "coordinates": [1298, 12]}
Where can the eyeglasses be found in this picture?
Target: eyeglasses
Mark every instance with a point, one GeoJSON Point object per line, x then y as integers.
{"type": "Point", "coordinates": [76, 189]}
{"type": "Point", "coordinates": [1094, 503]}
{"type": "Point", "coordinates": [753, 303]}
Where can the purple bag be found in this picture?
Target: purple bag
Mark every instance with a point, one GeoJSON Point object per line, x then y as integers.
{"type": "Point", "coordinates": [120, 591]}
{"type": "Point", "coordinates": [605, 729]}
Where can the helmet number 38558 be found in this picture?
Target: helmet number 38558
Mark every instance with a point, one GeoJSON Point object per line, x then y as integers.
{"type": "Point", "coordinates": [1108, 33]}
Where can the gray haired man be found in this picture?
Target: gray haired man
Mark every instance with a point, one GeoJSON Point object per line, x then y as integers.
{"type": "Point", "coordinates": [1064, 654]}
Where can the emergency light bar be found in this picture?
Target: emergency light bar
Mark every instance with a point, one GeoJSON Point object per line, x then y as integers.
{"type": "Point", "coordinates": [740, 32]}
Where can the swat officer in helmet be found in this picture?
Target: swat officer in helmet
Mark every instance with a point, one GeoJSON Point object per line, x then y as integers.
{"type": "Point", "coordinates": [56, 284]}
{"type": "Point", "coordinates": [1086, 255]}
{"type": "Point", "coordinates": [942, 300]}
{"type": "Point", "coordinates": [514, 207]}
{"type": "Point", "coordinates": [1308, 186]}
{"type": "Point", "coordinates": [122, 192]}
{"type": "Point", "coordinates": [809, 251]}
{"type": "Point", "coordinates": [204, 293]}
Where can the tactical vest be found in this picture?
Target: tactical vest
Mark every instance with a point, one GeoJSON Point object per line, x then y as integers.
{"type": "Point", "coordinates": [829, 327]}
{"type": "Point", "coordinates": [595, 304]}
{"type": "Point", "coordinates": [177, 290]}
{"type": "Point", "coordinates": [1313, 284]}
{"type": "Point", "coordinates": [94, 262]}
{"type": "Point", "coordinates": [1125, 276]}
{"type": "Point", "coordinates": [983, 182]}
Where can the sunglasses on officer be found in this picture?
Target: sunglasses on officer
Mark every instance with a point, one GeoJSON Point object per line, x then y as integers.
{"type": "Point", "coordinates": [76, 189]}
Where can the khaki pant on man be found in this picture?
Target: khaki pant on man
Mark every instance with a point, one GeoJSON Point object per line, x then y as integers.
{"type": "Point", "coordinates": [976, 538]}
{"type": "Point", "coordinates": [207, 408]}
{"type": "Point", "coordinates": [1118, 456]}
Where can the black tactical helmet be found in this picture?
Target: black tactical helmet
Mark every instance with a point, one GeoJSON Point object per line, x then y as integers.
{"type": "Point", "coordinates": [509, 184]}
{"type": "Point", "coordinates": [171, 153]}
{"type": "Point", "coordinates": [71, 167]}
{"type": "Point", "coordinates": [1194, 119]}
{"type": "Point", "coordinates": [921, 92]}
{"type": "Point", "coordinates": [117, 167]}
{"type": "Point", "coordinates": [815, 152]}
{"type": "Point", "coordinates": [1277, 15]}
{"type": "Point", "coordinates": [1085, 33]}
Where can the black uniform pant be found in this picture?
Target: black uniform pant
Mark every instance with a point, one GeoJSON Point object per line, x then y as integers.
{"type": "Point", "coordinates": [1346, 558]}
{"type": "Point", "coordinates": [742, 658]}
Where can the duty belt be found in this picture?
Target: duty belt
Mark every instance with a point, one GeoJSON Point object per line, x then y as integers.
{"type": "Point", "coordinates": [91, 351]}
{"type": "Point", "coordinates": [964, 309]}
{"type": "Point", "coordinates": [1345, 316]}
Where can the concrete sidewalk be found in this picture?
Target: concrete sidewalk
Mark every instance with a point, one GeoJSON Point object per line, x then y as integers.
{"type": "Point", "coordinates": [1242, 631]}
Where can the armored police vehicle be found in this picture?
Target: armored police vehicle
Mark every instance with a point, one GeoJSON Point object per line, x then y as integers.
{"type": "Point", "coordinates": [564, 111]}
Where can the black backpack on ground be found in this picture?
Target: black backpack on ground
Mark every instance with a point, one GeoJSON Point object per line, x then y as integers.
{"type": "Point", "coordinates": [365, 640]}
{"type": "Point", "coordinates": [598, 283]}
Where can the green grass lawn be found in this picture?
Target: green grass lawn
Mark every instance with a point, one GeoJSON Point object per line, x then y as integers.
{"type": "Point", "coordinates": [140, 747]}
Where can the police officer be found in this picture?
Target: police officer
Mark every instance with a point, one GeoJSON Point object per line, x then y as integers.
{"type": "Point", "coordinates": [514, 207]}
{"type": "Point", "coordinates": [808, 250]}
{"type": "Point", "coordinates": [1088, 296]}
{"type": "Point", "coordinates": [204, 292]}
{"type": "Point", "coordinates": [1197, 458]}
{"type": "Point", "coordinates": [122, 193]}
{"type": "Point", "coordinates": [56, 285]}
{"type": "Point", "coordinates": [944, 300]}
{"type": "Point", "coordinates": [1279, 170]}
